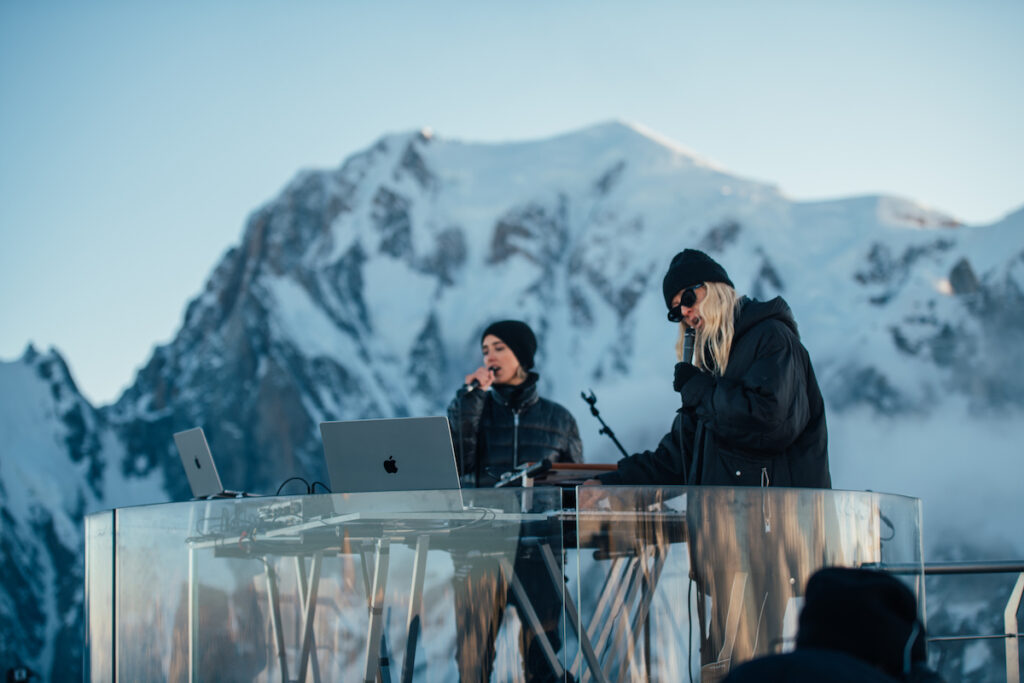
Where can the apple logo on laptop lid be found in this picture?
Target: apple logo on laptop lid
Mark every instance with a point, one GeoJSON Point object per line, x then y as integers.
{"type": "Point", "coordinates": [390, 466]}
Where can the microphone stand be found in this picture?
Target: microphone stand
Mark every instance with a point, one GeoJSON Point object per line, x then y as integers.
{"type": "Point", "coordinates": [605, 429]}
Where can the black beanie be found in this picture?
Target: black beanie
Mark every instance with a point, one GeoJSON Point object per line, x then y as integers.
{"type": "Point", "coordinates": [688, 268]}
{"type": "Point", "coordinates": [868, 614]}
{"type": "Point", "coordinates": [517, 336]}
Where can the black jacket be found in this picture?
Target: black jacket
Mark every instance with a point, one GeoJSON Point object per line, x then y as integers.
{"type": "Point", "coordinates": [496, 430]}
{"type": "Point", "coordinates": [761, 423]}
{"type": "Point", "coordinates": [808, 666]}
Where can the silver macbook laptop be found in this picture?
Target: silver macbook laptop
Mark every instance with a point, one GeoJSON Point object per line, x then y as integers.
{"type": "Point", "coordinates": [397, 454]}
{"type": "Point", "coordinates": [198, 463]}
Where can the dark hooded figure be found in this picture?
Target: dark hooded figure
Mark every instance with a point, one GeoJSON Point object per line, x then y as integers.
{"type": "Point", "coordinates": [500, 422]}
{"type": "Point", "coordinates": [752, 413]}
{"type": "Point", "coordinates": [856, 625]}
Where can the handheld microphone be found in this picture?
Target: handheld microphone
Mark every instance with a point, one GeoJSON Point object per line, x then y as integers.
{"type": "Point", "coordinates": [475, 384]}
{"type": "Point", "coordinates": [689, 339]}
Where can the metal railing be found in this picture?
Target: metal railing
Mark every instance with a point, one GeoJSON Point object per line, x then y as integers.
{"type": "Point", "coordinates": [1011, 633]}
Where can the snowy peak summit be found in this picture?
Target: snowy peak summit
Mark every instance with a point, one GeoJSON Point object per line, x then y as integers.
{"type": "Point", "coordinates": [361, 291]}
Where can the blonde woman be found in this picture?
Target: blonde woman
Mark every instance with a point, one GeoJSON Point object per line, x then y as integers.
{"type": "Point", "coordinates": [752, 414]}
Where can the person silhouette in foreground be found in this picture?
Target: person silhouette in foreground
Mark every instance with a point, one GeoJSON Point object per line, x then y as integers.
{"type": "Point", "coordinates": [856, 625]}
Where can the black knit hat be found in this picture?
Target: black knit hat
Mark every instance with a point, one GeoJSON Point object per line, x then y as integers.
{"type": "Point", "coordinates": [517, 336]}
{"type": "Point", "coordinates": [688, 268]}
{"type": "Point", "coordinates": [868, 614]}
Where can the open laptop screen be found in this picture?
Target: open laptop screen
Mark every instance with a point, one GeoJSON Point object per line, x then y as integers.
{"type": "Point", "coordinates": [198, 463]}
{"type": "Point", "coordinates": [397, 454]}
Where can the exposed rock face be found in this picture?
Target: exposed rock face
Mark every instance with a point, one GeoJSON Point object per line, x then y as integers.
{"type": "Point", "coordinates": [361, 292]}
{"type": "Point", "coordinates": [53, 469]}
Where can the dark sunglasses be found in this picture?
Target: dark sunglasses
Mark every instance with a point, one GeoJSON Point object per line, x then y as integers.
{"type": "Point", "coordinates": [687, 299]}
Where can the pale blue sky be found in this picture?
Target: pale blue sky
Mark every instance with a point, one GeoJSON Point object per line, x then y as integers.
{"type": "Point", "coordinates": [136, 137]}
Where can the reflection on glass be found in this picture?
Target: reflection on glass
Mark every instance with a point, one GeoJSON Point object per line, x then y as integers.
{"type": "Point", "coordinates": [700, 579]}
{"type": "Point", "coordinates": [650, 584]}
{"type": "Point", "coordinates": [99, 634]}
{"type": "Point", "coordinates": [330, 587]}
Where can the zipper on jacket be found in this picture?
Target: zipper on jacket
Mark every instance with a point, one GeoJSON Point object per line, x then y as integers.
{"type": "Point", "coordinates": [515, 439]}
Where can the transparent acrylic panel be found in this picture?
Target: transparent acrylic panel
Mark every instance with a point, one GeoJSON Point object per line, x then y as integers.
{"type": "Point", "coordinates": [99, 585]}
{"type": "Point", "coordinates": [975, 607]}
{"type": "Point", "coordinates": [339, 587]}
{"type": "Point", "coordinates": [699, 579]}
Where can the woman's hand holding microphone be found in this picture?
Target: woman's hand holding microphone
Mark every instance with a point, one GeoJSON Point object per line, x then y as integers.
{"type": "Point", "coordinates": [481, 378]}
{"type": "Point", "coordinates": [684, 373]}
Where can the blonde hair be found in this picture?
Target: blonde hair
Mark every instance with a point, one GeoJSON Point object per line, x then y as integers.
{"type": "Point", "coordinates": [717, 310]}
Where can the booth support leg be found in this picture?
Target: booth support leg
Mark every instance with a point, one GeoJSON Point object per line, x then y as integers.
{"type": "Point", "coordinates": [414, 623]}
{"type": "Point", "coordinates": [377, 588]}
{"type": "Point", "coordinates": [531, 617]}
{"type": "Point", "coordinates": [305, 589]}
{"type": "Point", "coordinates": [274, 603]}
{"type": "Point", "coordinates": [309, 613]}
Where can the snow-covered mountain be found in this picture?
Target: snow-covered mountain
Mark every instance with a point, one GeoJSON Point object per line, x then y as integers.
{"type": "Point", "coordinates": [362, 291]}
{"type": "Point", "coordinates": [58, 462]}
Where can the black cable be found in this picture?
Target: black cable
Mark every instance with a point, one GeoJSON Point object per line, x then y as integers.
{"type": "Point", "coordinates": [308, 489]}
{"type": "Point", "coordinates": [325, 487]}
{"type": "Point", "coordinates": [689, 631]}
{"type": "Point", "coordinates": [486, 515]}
{"type": "Point", "coordinates": [888, 523]}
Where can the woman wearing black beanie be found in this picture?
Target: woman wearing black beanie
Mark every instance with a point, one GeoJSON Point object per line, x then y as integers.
{"type": "Point", "coordinates": [498, 418]}
{"type": "Point", "coordinates": [752, 413]}
{"type": "Point", "coordinates": [499, 422]}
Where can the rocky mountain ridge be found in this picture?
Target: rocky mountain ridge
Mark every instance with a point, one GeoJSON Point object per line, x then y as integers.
{"type": "Point", "coordinates": [361, 292]}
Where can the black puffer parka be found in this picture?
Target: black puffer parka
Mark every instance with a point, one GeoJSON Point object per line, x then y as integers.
{"type": "Point", "coordinates": [761, 423]}
{"type": "Point", "coordinates": [496, 430]}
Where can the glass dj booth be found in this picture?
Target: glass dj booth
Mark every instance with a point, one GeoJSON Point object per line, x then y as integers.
{"type": "Point", "coordinates": [587, 584]}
